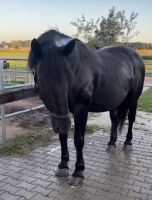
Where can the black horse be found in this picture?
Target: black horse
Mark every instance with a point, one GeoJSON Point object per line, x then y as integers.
{"type": "Point", "coordinates": [70, 77]}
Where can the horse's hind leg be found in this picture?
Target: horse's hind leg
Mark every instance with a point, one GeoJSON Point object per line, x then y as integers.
{"type": "Point", "coordinates": [131, 119]}
{"type": "Point", "coordinates": [114, 116]}
{"type": "Point", "coordinates": [63, 166]}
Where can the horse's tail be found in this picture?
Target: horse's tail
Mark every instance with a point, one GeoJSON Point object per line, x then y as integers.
{"type": "Point", "coordinates": [123, 111]}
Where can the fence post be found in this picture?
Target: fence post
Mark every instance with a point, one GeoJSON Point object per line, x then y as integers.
{"type": "Point", "coordinates": [30, 79]}
{"type": "Point", "coordinates": [2, 107]}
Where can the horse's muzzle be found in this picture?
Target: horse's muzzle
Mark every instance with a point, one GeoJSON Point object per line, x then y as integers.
{"type": "Point", "coordinates": [61, 126]}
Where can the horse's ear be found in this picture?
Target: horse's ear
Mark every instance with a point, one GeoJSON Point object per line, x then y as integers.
{"type": "Point", "coordinates": [66, 49]}
{"type": "Point", "coordinates": [36, 49]}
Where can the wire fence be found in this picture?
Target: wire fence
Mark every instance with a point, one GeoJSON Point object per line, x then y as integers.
{"type": "Point", "coordinates": [10, 79]}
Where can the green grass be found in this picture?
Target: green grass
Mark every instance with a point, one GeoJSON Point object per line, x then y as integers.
{"type": "Point", "coordinates": [148, 57]}
{"type": "Point", "coordinates": [148, 61]}
{"type": "Point", "coordinates": [23, 144]}
{"type": "Point", "coordinates": [148, 66]}
{"type": "Point", "coordinates": [18, 64]}
{"type": "Point", "coordinates": [145, 101]}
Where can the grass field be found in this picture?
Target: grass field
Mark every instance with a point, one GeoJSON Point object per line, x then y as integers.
{"type": "Point", "coordinates": [145, 101]}
{"type": "Point", "coordinates": [148, 66]}
{"type": "Point", "coordinates": [24, 53]}
{"type": "Point", "coordinates": [14, 52]}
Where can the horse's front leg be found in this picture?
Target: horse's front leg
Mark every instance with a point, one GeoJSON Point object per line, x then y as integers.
{"type": "Point", "coordinates": [63, 166]}
{"type": "Point", "coordinates": [80, 120]}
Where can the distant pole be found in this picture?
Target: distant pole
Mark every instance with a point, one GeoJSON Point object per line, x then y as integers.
{"type": "Point", "coordinates": [2, 107]}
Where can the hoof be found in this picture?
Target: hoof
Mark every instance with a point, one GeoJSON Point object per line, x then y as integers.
{"type": "Point", "coordinates": [61, 172]}
{"type": "Point", "coordinates": [74, 181]}
{"type": "Point", "coordinates": [111, 148]}
{"type": "Point", "coordinates": [127, 142]}
{"type": "Point", "coordinates": [127, 147]}
{"type": "Point", "coordinates": [77, 178]}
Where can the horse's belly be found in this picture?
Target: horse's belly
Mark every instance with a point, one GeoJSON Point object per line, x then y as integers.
{"type": "Point", "coordinates": [108, 100]}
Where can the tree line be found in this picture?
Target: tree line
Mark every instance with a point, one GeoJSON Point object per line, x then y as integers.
{"type": "Point", "coordinates": [138, 45]}
{"type": "Point", "coordinates": [26, 44]}
{"type": "Point", "coordinates": [16, 44]}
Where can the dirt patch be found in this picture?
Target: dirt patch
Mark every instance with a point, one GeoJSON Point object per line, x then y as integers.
{"type": "Point", "coordinates": [24, 123]}
{"type": "Point", "coordinates": [32, 120]}
{"type": "Point", "coordinates": [22, 104]}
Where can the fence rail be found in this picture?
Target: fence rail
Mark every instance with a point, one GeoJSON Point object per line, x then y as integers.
{"type": "Point", "coordinates": [10, 95]}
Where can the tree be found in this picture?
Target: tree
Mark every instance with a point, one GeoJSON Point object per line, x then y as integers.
{"type": "Point", "coordinates": [110, 30]}
{"type": "Point", "coordinates": [86, 29]}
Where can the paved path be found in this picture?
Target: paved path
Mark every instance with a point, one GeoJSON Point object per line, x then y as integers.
{"type": "Point", "coordinates": [120, 175]}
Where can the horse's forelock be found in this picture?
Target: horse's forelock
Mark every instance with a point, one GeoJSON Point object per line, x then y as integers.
{"type": "Point", "coordinates": [53, 63]}
{"type": "Point", "coordinates": [31, 60]}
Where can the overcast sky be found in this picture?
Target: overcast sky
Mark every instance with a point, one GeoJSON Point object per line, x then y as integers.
{"type": "Point", "coordinates": [25, 19]}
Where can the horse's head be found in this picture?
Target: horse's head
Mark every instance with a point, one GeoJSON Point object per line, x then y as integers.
{"type": "Point", "coordinates": [48, 60]}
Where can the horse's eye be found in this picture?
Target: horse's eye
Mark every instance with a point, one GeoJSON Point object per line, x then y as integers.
{"type": "Point", "coordinates": [34, 72]}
